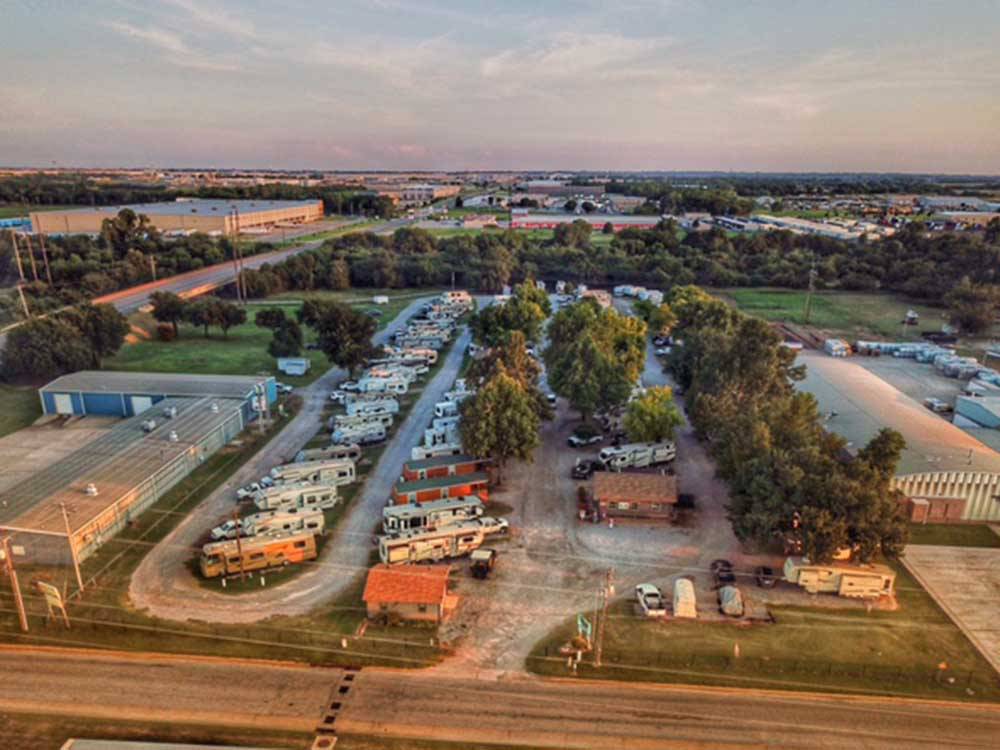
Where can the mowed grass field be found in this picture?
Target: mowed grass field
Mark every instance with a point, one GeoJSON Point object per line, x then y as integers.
{"type": "Point", "coordinates": [11, 210]}
{"type": "Point", "coordinates": [19, 407]}
{"type": "Point", "coordinates": [839, 650]}
{"type": "Point", "coordinates": [848, 314]}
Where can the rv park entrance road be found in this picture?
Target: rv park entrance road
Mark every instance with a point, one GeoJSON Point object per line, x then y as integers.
{"type": "Point", "coordinates": [531, 712]}
{"type": "Point", "coordinates": [164, 587]}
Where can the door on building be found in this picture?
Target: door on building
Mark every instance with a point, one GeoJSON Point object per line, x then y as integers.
{"type": "Point", "coordinates": [140, 403]}
{"type": "Point", "coordinates": [64, 403]}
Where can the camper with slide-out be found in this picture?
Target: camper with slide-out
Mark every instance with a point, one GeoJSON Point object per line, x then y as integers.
{"type": "Point", "coordinates": [364, 434]}
{"type": "Point", "coordinates": [360, 420]}
{"type": "Point", "coordinates": [350, 452]}
{"type": "Point", "coordinates": [337, 471]}
{"type": "Point", "coordinates": [298, 495]}
{"type": "Point", "coordinates": [637, 455]}
{"type": "Point", "coordinates": [384, 405]}
{"type": "Point", "coordinates": [434, 514]}
{"type": "Point", "coordinates": [431, 545]}
{"type": "Point", "coordinates": [843, 579]}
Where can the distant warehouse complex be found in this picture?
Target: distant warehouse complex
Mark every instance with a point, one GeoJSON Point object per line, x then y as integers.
{"type": "Point", "coordinates": [185, 215]}
{"type": "Point", "coordinates": [171, 424]}
{"type": "Point", "coordinates": [525, 220]}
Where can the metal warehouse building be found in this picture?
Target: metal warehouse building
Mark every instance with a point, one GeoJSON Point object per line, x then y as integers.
{"type": "Point", "coordinates": [942, 463]}
{"type": "Point", "coordinates": [184, 215]}
{"type": "Point", "coordinates": [125, 394]}
{"type": "Point", "coordinates": [74, 506]}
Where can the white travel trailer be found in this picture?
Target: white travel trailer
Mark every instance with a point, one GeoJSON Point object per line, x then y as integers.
{"type": "Point", "coordinates": [384, 405]}
{"type": "Point", "coordinates": [431, 545]}
{"type": "Point", "coordinates": [420, 452]}
{"type": "Point", "coordinates": [685, 604]}
{"type": "Point", "coordinates": [435, 514]}
{"type": "Point", "coordinates": [351, 452]}
{"type": "Point", "coordinates": [338, 471]}
{"type": "Point", "coordinates": [394, 384]}
{"type": "Point", "coordinates": [637, 455]}
{"type": "Point", "coordinates": [359, 420]}
{"type": "Point", "coordinates": [364, 434]}
{"type": "Point", "coordinates": [285, 519]}
{"type": "Point", "coordinates": [851, 581]}
{"type": "Point", "coordinates": [298, 495]}
{"type": "Point", "coordinates": [446, 409]}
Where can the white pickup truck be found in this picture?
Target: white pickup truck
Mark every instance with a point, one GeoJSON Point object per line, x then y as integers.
{"type": "Point", "coordinates": [492, 526]}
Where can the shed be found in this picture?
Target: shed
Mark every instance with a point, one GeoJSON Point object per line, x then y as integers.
{"type": "Point", "coordinates": [438, 488]}
{"type": "Point", "coordinates": [411, 592]}
{"type": "Point", "coordinates": [442, 466]}
{"type": "Point", "coordinates": [294, 365]}
{"type": "Point", "coordinates": [632, 494]}
{"type": "Point", "coordinates": [685, 604]}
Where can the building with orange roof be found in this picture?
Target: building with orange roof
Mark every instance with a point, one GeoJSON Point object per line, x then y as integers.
{"type": "Point", "coordinates": [410, 592]}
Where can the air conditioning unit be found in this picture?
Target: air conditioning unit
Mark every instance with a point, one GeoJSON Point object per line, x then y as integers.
{"type": "Point", "coordinates": [173, 436]}
{"type": "Point", "coordinates": [91, 490]}
{"type": "Point", "coordinates": [149, 425]}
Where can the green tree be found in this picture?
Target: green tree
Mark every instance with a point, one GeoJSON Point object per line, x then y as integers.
{"type": "Point", "coordinates": [286, 340]}
{"type": "Point", "coordinates": [45, 348]}
{"type": "Point", "coordinates": [202, 312]}
{"type": "Point", "coordinates": [270, 317]}
{"type": "Point", "coordinates": [103, 327]}
{"type": "Point", "coordinates": [500, 421]}
{"type": "Point", "coordinates": [512, 358]}
{"type": "Point", "coordinates": [525, 311]}
{"type": "Point", "coordinates": [973, 307]}
{"type": "Point", "coordinates": [168, 308]}
{"type": "Point", "coordinates": [608, 228]}
{"type": "Point", "coordinates": [126, 230]}
{"type": "Point", "coordinates": [575, 234]}
{"type": "Point", "coordinates": [344, 334]}
{"type": "Point", "coordinates": [653, 417]}
{"type": "Point", "coordinates": [229, 315]}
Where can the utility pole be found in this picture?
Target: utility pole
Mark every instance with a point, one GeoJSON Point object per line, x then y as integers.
{"type": "Point", "coordinates": [72, 547]}
{"type": "Point", "coordinates": [24, 302]}
{"type": "Point", "coordinates": [239, 260]}
{"type": "Point", "coordinates": [17, 254]}
{"type": "Point", "coordinates": [45, 258]}
{"type": "Point", "coordinates": [31, 256]}
{"type": "Point", "coordinates": [152, 266]}
{"type": "Point", "coordinates": [239, 544]}
{"type": "Point", "coordinates": [812, 288]}
{"type": "Point", "coordinates": [8, 557]}
{"type": "Point", "coordinates": [607, 590]}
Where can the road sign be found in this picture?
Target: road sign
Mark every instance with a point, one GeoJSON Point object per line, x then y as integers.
{"type": "Point", "coordinates": [583, 627]}
{"type": "Point", "coordinates": [54, 600]}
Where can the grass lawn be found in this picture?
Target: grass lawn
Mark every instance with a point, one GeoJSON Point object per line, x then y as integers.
{"type": "Point", "coordinates": [838, 650]}
{"type": "Point", "coordinates": [954, 534]}
{"type": "Point", "coordinates": [19, 407]}
{"type": "Point", "coordinates": [242, 352]}
{"type": "Point", "coordinates": [12, 210]}
{"type": "Point", "coordinates": [849, 314]}
{"type": "Point", "coordinates": [360, 299]}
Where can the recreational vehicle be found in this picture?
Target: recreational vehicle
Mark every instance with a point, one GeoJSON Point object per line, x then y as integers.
{"type": "Point", "coordinates": [256, 553]}
{"type": "Point", "coordinates": [435, 514]}
{"type": "Point", "coordinates": [337, 471]}
{"type": "Point", "coordinates": [342, 421]}
{"type": "Point", "coordinates": [854, 581]}
{"type": "Point", "coordinates": [298, 495]}
{"type": "Point", "coordinates": [439, 544]}
{"type": "Point", "coordinates": [364, 434]}
{"type": "Point", "coordinates": [424, 452]}
{"type": "Point", "coordinates": [637, 455]}
{"type": "Point", "coordinates": [395, 385]}
{"type": "Point", "coordinates": [350, 452]}
{"type": "Point", "coordinates": [446, 409]}
{"type": "Point", "coordinates": [384, 405]}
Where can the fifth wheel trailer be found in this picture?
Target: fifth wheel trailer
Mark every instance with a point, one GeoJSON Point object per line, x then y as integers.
{"type": "Point", "coordinates": [418, 546]}
{"type": "Point", "coordinates": [337, 471]}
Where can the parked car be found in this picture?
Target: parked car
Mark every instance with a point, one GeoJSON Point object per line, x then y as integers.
{"type": "Point", "coordinates": [494, 525]}
{"type": "Point", "coordinates": [765, 577]}
{"type": "Point", "coordinates": [663, 351]}
{"type": "Point", "coordinates": [937, 405]}
{"type": "Point", "coordinates": [284, 388]}
{"type": "Point", "coordinates": [584, 468]}
{"type": "Point", "coordinates": [579, 441]}
{"type": "Point", "coordinates": [227, 530]}
{"type": "Point", "coordinates": [722, 573]}
{"type": "Point", "coordinates": [551, 398]}
{"type": "Point", "coordinates": [349, 385]}
{"type": "Point", "coordinates": [650, 600]}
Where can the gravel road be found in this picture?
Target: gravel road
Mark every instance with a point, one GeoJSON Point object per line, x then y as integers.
{"type": "Point", "coordinates": [164, 587]}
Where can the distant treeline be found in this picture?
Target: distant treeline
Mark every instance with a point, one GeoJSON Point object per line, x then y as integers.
{"type": "Point", "coordinates": [67, 190]}
{"type": "Point", "coordinates": [913, 263]}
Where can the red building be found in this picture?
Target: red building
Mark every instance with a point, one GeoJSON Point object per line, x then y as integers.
{"type": "Point", "coordinates": [442, 466]}
{"type": "Point", "coordinates": [439, 488]}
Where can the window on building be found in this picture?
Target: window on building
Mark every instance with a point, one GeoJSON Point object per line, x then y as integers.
{"type": "Point", "coordinates": [421, 608]}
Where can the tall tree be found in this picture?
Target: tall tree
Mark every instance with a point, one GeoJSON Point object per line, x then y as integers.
{"type": "Point", "coordinates": [168, 308]}
{"type": "Point", "coordinates": [653, 417]}
{"type": "Point", "coordinates": [500, 421]}
{"type": "Point", "coordinates": [229, 316]}
{"type": "Point", "coordinates": [202, 312]}
{"type": "Point", "coordinates": [344, 334]}
{"type": "Point", "coordinates": [103, 327]}
{"type": "Point", "coordinates": [286, 340]}
{"type": "Point", "coordinates": [44, 348]}
{"type": "Point", "coordinates": [270, 317]}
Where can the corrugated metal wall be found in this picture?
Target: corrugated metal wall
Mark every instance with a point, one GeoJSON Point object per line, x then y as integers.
{"type": "Point", "coordinates": [979, 489]}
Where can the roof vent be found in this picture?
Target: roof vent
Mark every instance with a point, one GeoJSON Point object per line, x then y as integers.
{"type": "Point", "coordinates": [173, 436]}
{"type": "Point", "coordinates": [215, 408]}
{"type": "Point", "coordinates": [149, 425]}
{"type": "Point", "coordinates": [91, 490]}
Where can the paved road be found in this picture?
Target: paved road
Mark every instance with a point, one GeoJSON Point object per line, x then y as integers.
{"type": "Point", "coordinates": [164, 587]}
{"type": "Point", "coordinates": [162, 584]}
{"type": "Point", "coordinates": [149, 687]}
{"type": "Point", "coordinates": [535, 712]}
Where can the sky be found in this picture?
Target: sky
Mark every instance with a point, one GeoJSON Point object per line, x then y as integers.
{"type": "Point", "coordinates": [779, 85]}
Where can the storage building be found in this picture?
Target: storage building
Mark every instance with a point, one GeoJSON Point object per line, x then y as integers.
{"type": "Point", "coordinates": [442, 466]}
{"type": "Point", "coordinates": [635, 495]}
{"type": "Point", "coordinates": [438, 488]}
{"type": "Point", "coordinates": [410, 592]}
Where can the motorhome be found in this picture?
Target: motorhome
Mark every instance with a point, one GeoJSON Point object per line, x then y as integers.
{"type": "Point", "coordinates": [396, 385]}
{"type": "Point", "coordinates": [438, 544]}
{"type": "Point", "coordinates": [337, 471]}
{"type": "Point", "coordinates": [341, 421]}
{"type": "Point", "coordinates": [637, 455]}
{"type": "Point", "coordinates": [436, 514]}
{"type": "Point", "coordinates": [256, 553]}
{"type": "Point", "coordinates": [457, 297]}
{"type": "Point", "coordinates": [298, 495]}
{"type": "Point", "coordinates": [384, 405]}
{"type": "Point", "coordinates": [351, 452]}
{"type": "Point", "coordinates": [852, 581]}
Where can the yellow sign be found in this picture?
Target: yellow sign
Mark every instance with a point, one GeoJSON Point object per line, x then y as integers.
{"type": "Point", "coordinates": [54, 600]}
